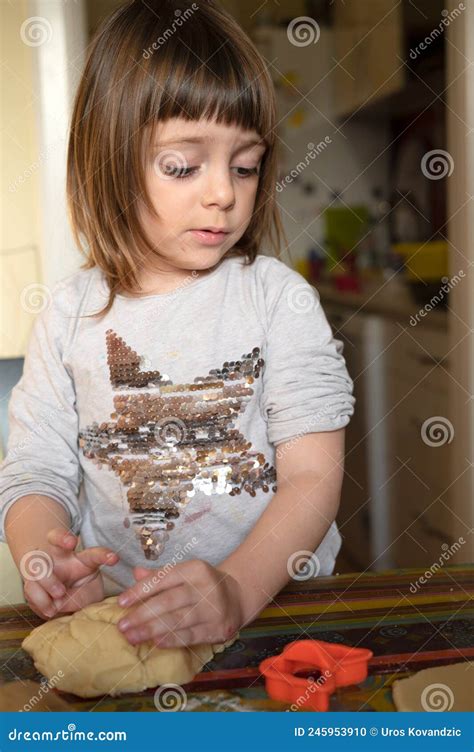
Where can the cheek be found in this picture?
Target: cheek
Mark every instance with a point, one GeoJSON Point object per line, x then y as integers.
{"type": "Point", "coordinates": [247, 196]}
{"type": "Point", "coordinates": [167, 195]}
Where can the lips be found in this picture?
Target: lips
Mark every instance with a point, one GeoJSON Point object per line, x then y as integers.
{"type": "Point", "coordinates": [209, 237]}
{"type": "Point", "coordinates": [214, 230]}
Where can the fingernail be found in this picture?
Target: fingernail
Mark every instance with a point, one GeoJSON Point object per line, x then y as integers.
{"type": "Point", "coordinates": [123, 625]}
{"type": "Point", "coordinates": [123, 600]}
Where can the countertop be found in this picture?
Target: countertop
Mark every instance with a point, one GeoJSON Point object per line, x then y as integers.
{"type": "Point", "coordinates": [406, 631]}
{"type": "Point", "coordinates": [387, 297]}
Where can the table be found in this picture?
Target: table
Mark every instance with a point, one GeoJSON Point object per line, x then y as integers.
{"type": "Point", "coordinates": [406, 631]}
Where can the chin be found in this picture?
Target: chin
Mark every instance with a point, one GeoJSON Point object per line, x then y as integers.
{"type": "Point", "coordinates": [205, 258]}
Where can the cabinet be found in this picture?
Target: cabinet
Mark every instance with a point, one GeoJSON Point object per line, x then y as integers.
{"type": "Point", "coordinates": [395, 507]}
{"type": "Point", "coordinates": [354, 512]}
{"type": "Point", "coordinates": [421, 432]}
{"type": "Point", "coordinates": [368, 40]}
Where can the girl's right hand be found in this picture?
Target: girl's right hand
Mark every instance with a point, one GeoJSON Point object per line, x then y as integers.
{"type": "Point", "coordinates": [73, 581]}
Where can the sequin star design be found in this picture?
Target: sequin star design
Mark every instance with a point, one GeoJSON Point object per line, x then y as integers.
{"type": "Point", "coordinates": [167, 441]}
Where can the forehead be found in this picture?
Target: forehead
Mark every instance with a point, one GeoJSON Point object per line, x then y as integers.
{"type": "Point", "coordinates": [179, 130]}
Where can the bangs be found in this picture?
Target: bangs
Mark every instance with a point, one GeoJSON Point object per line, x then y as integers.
{"type": "Point", "coordinates": [223, 87]}
{"type": "Point", "coordinates": [200, 65]}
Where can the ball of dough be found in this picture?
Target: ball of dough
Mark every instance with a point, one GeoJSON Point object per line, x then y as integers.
{"type": "Point", "coordinates": [89, 656]}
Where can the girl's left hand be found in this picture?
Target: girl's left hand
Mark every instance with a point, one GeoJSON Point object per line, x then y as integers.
{"type": "Point", "coordinates": [189, 604]}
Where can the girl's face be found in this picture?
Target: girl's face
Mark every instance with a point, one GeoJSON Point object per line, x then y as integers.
{"type": "Point", "coordinates": [199, 175]}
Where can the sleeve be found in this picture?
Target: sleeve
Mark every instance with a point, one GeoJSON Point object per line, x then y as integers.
{"type": "Point", "coordinates": [42, 451]}
{"type": "Point", "coordinates": [306, 385]}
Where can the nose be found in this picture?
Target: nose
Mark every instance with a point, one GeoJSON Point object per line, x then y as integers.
{"type": "Point", "coordinates": [218, 189]}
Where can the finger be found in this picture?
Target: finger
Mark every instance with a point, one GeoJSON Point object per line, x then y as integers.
{"type": "Point", "coordinates": [146, 586]}
{"type": "Point", "coordinates": [159, 605]}
{"type": "Point", "coordinates": [39, 566]}
{"type": "Point", "coordinates": [140, 572]}
{"type": "Point", "coordinates": [160, 580]}
{"type": "Point", "coordinates": [62, 538]}
{"type": "Point", "coordinates": [39, 598]}
{"type": "Point", "coordinates": [85, 580]}
{"type": "Point", "coordinates": [97, 556]}
{"type": "Point", "coordinates": [197, 635]}
{"type": "Point", "coordinates": [74, 600]}
{"type": "Point", "coordinates": [53, 586]}
{"type": "Point", "coordinates": [161, 627]}
{"type": "Point", "coordinates": [79, 596]}
{"type": "Point", "coordinates": [37, 611]}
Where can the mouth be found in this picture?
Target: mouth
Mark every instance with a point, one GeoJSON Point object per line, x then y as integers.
{"type": "Point", "coordinates": [210, 235]}
{"type": "Point", "coordinates": [215, 230]}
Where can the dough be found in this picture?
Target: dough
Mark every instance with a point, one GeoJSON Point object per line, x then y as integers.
{"type": "Point", "coordinates": [96, 659]}
{"type": "Point", "coordinates": [440, 688]}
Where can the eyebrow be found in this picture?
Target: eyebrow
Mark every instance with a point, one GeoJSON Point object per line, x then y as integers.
{"type": "Point", "coordinates": [200, 140]}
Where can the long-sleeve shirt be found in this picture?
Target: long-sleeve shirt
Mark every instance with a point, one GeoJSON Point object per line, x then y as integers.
{"type": "Point", "coordinates": [157, 426]}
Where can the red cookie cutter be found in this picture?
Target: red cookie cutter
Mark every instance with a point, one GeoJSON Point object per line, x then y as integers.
{"type": "Point", "coordinates": [339, 666]}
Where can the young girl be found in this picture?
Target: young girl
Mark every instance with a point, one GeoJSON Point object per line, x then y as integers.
{"type": "Point", "coordinates": [183, 401]}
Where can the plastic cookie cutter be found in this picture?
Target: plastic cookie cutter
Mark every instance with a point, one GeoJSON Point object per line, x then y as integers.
{"type": "Point", "coordinates": [339, 666]}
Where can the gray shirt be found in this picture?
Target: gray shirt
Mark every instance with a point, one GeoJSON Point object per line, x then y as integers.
{"type": "Point", "coordinates": [156, 427]}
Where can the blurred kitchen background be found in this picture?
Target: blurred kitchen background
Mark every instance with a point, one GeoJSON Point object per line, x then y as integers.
{"type": "Point", "coordinates": [376, 103]}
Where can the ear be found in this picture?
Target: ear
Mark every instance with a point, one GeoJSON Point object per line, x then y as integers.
{"type": "Point", "coordinates": [140, 572]}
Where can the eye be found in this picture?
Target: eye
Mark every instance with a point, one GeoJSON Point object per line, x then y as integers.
{"type": "Point", "coordinates": [248, 171]}
{"type": "Point", "coordinates": [175, 171]}
{"type": "Point", "coordinates": [181, 173]}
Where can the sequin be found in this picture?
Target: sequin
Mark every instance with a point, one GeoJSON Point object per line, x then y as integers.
{"type": "Point", "coordinates": [166, 441]}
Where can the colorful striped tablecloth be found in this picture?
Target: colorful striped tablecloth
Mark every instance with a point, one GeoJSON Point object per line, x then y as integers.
{"type": "Point", "coordinates": [407, 628]}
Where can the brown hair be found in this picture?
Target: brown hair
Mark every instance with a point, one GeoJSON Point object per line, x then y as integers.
{"type": "Point", "coordinates": [150, 62]}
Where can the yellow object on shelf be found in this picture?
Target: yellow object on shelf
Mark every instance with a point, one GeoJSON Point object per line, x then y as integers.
{"type": "Point", "coordinates": [427, 261]}
{"type": "Point", "coordinates": [303, 267]}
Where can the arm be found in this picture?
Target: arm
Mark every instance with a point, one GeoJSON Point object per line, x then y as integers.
{"type": "Point", "coordinates": [28, 522]}
{"type": "Point", "coordinates": [56, 579]}
{"type": "Point", "coordinates": [41, 463]}
{"type": "Point", "coordinates": [194, 602]}
{"type": "Point", "coordinates": [309, 479]}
